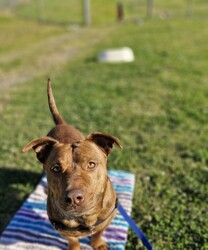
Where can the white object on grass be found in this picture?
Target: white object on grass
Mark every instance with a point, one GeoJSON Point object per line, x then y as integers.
{"type": "Point", "coordinates": [124, 54]}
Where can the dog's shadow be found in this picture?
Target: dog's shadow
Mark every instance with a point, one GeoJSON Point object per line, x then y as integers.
{"type": "Point", "coordinates": [15, 186]}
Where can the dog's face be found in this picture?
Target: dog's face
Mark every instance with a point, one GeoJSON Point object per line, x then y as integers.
{"type": "Point", "coordinates": [77, 173]}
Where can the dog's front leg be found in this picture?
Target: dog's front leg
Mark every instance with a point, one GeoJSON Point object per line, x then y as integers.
{"type": "Point", "coordinates": [73, 244]}
{"type": "Point", "coordinates": [97, 243]}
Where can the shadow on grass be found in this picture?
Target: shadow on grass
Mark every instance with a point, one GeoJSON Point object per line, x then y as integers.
{"type": "Point", "coordinates": [92, 59]}
{"type": "Point", "coordinates": [15, 186]}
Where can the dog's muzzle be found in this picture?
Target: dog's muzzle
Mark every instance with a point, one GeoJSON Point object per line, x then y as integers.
{"type": "Point", "coordinates": [74, 197]}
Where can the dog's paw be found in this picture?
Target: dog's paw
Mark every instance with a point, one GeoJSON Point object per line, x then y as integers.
{"type": "Point", "coordinates": [77, 248]}
{"type": "Point", "coordinates": [103, 247]}
{"type": "Point", "coordinates": [73, 244]}
{"type": "Point", "coordinates": [73, 248]}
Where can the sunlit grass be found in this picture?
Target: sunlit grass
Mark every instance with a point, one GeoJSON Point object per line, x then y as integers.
{"type": "Point", "coordinates": [157, 106]}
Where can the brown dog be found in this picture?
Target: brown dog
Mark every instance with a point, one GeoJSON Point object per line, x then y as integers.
{"type": "Point", "coordinates": [81, 199]}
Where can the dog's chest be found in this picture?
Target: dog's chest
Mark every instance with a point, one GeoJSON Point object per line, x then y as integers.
{"type": "Point", "coordinates": [70, 223]}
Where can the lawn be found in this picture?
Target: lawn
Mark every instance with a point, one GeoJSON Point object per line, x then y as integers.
{"type": "Point", "coordinates": [157, 106]}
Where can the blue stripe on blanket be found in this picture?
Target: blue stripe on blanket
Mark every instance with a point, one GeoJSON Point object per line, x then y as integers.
{"type": "Point", "coordinates": [30, 229]}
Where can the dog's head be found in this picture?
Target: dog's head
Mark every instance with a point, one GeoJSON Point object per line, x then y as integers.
{"type": "Point", "coordinates": [76, 173]}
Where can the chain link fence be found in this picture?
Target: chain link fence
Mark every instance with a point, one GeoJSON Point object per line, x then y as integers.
{"type": "Point", "coordinates": [104, 12]}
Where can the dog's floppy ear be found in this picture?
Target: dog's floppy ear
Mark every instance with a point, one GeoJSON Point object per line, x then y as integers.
{"type": "Point", "coordinates": [104, 141]}
{"type": "Point", "coordinates": [42, 146]}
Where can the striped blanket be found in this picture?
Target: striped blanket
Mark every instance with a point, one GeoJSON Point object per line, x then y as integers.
{"type": "Point", "coordinates": [30, 228]}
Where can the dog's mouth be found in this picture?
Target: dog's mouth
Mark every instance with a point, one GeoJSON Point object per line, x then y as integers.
{"type": "Point", "coordinates": [72, 212]}
{"type": "Point", "coordinates": [73, 208]}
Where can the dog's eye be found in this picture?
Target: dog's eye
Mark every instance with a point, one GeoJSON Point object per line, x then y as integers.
{"type": "Point", "coordinates": [56, 168]}
{"type": "Point", "coordinates": [91, 165]}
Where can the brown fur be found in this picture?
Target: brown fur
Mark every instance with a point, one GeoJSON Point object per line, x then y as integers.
{"type": "Point", "coordinates": [79, 192]}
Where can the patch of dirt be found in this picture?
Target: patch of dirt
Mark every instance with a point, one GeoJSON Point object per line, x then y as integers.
{"type": "Point", "coordinates": [46, 57]}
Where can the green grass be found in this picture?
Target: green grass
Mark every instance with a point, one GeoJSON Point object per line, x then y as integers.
{"type": "Point", "coordinates": [22, 43]}
{"type": "Point", "coordinates": [58, 11]}
{"type": "Point", "coordinates": [157, 106]}
{"type": "Point", "coordinates": [17, 34]}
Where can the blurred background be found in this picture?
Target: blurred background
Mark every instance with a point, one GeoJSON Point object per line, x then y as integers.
{"type": "Point", "coordinates": [71, 12]}
{"type": "Point", "coordinates": [156, 105]}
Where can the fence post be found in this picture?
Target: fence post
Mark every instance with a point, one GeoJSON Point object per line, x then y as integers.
{"type": "Point", "coordinates": [189, 9]}
{"type": "Point", "coordinates": [149, 9]}
{"type": "Point", "coordinates": [120, 12]}
{"type": "Point", "coordinates": [86, 12]}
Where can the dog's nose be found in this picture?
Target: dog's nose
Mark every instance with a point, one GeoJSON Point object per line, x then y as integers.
{"type": "Point", "coordinates": [75, 197]}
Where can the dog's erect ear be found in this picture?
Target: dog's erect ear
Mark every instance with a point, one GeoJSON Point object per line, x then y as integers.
{"type": "Point", "coordinates": [104, 141]}
{"type": "Point", "coordinates": [42, 146]}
